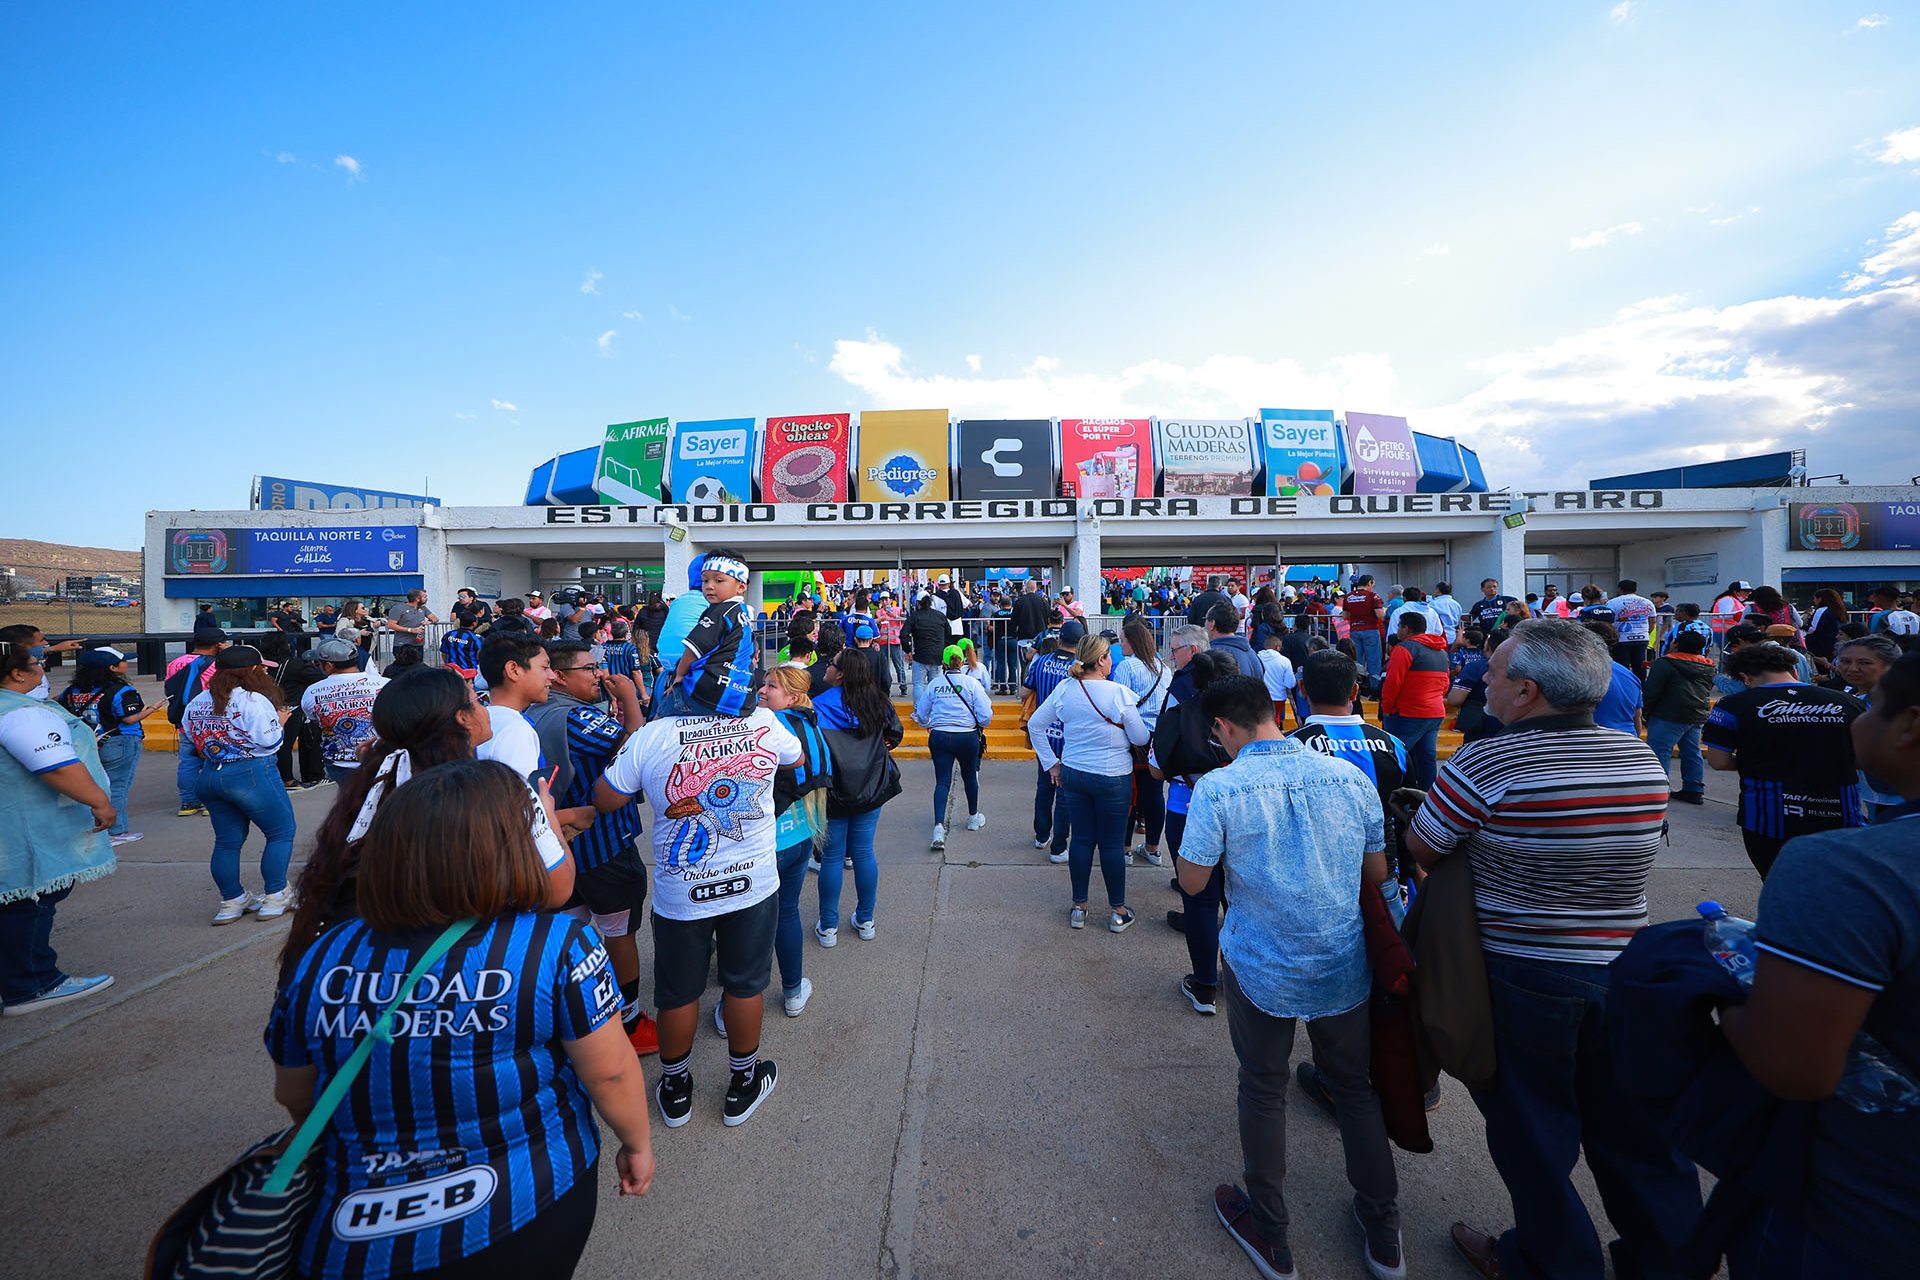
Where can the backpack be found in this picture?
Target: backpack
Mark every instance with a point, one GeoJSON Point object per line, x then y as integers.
{"type": "Point", "coordinates": [182, 686]}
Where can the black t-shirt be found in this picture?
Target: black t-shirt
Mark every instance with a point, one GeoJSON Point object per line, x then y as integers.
{"type": "Point", "coordinates": [1485, 613]}
{"type": "Point", "coordinates": [1794, 753]}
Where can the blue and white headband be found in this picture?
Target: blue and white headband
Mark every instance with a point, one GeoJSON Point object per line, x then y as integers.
{"type": "Point", "coordinates": [732, 568]}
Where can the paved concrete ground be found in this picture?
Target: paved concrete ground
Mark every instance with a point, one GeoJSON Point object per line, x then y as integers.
{"type": "Point", "coordinates": [978, 1092]}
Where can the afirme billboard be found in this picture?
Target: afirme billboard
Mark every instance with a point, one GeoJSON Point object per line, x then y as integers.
{"type": "Point", "coordinates": [272, 493]}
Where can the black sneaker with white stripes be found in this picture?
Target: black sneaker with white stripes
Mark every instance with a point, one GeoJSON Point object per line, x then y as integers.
{"type": "Point", "coordinates": [675, 1095]}
{"type": "Point", "coordinates": [747, 1090]}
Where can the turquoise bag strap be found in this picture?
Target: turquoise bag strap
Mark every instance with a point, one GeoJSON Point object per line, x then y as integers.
{"type": "Point", "coordinates": [336, 1091]}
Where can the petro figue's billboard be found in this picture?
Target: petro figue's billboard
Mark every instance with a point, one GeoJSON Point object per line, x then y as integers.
{"type": "Point", "coordinates": [1380, 450]}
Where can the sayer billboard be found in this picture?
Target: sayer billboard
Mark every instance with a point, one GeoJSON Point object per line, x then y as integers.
{"type": "Point", "coordinates": [805, 458]}
{"type": "Point", "coordinates": [1004, 458]}
{"type": "Point", "coordinates": [1200, 456]}
{"type": "Point", "coordinates": [1380, 448]}
{"type": "Point", "coordinates": [633, 462]}
{"type": "Point", "coordinates": [903, 455]}
{"type": "Point", "coordinates": [271, 493]}
{"type": "Point", "coordinates": [1106, 458]}
{"type": "Point", "coordinates": [713, 461]}
{"type": "Point", "coordinates": [1302, 451]}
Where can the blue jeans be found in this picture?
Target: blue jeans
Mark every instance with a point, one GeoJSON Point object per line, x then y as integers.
{"type": "Point", "coordinates": [1200, 912]}
{"type": "Point", "coordinates": [1149, 807]}
{"type": "Point", "coordinates": [1367, 643]}
{"type": "Point", "coordinates": [28, 965]}
{"type": "Point", "coordinates": [786, 930]}
{"type": "Point", "coordinates": [893, 666]}
{"type": "Point", "coordinates": [1556, 1094]}
{"type": "Point", "coordinates": [849, 836]}
{"type": "Point", "coordinates": [1664, 735]}
{"type": "Point", "coordinates": [1098, 807]}
{"type": "Point", "coordinates": [120, 757]}
{"type": "Point", "coordinates": [186, 775]}
{"type": "Point", "coordinates": [242, 792]}
{"type": "Point", "coordinates": [950, 747]}
{"type": "Point", "coordinates": [924, 674]}
{"type": "Point", "coordinates": [1051, 815]}
{"type": "Point", "coordinates": [1421, 736]}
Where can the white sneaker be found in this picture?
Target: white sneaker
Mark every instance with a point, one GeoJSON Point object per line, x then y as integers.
{"type": "Point", "coordinates": [275, 905]}
{"type": "Point", "coordinates": [813, 864]}
{"type": "Point", "coordinates": [1127, 857]}
{"type": "Point", "coordinates": [128, 837]}
{"type": "Point", "coordinates": [796, 1003]}
{"type": "Point", "coordinates": [232, 909]}
{"type": "Point", "coordinates": [864, 930]}
{"type": "Point", "coordinates": [1154, 857]}
{"type": "Point", "coordinates": [1061, 856]}
{"type": "Point", "coordinates": [976, 822]}
{"type": "Point", "coordinates": [1040, 844]}
{"type": "Point", "coordinates": [826, 937]}
{"type": "Point", "coordinates": [939, 836]}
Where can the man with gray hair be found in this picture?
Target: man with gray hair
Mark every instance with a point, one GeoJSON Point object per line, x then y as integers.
{"type": "Point", "coordinates": [1560, 820]}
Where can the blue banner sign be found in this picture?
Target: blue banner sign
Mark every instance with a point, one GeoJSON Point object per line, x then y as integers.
{"type": "Point", "coordinates": [272, 493]}
{"type": "Point", "coordinates": [292, 552]}
{"type": "Point", "coordinates": [713, 461]}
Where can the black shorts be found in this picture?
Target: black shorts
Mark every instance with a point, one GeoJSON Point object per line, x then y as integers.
{"type": "Point", "coordinates": [682, 949]}
{"type": "Point", "coordinates": [613, 893]}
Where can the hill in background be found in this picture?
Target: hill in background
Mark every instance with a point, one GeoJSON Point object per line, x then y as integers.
{"type": "Point", "coordinates": [25, 555]}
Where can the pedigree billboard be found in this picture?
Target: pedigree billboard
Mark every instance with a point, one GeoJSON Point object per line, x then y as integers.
{"type": "Point", "coordinates": [903, 455]}
{"type": "Point", "coordinates": [805, 458]}
{"type": "Point", "coordinates": [1106, 458]}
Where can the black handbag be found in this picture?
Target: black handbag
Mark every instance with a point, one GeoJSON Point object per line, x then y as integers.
{"type": "Point", "coordinates": [865, 775]}
{"type": "Point", "coordinates": [247, 1223]}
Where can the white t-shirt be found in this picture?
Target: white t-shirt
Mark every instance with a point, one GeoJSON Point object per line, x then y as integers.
{"type": "Point", "coordinates": [1435, 627]}
{"type": "Point", "coordinates": [514, 743]}
{"type": "Point", "coordinates": [249, 730]}
{"type": "Point", "coordinates": [710, 782]}
{"type": "Point", "coordinates": [1632, 616]}
{"type": "Point", "coordinates": [1277, 671]}
{"type": "Point", "coordinates": [40, 738]}
{"type": "Point", "coordinates": [1901, 622]}
{"type": "Point", "coordinates": [342, 705]}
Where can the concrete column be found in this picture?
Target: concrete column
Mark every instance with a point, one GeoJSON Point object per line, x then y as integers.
{"type": "Point", "coordinates": [1500, 553]}
{"type": "Point", "coordinates": [676, 559]}
{"type": "Point", "coordinates": [1083, 564]}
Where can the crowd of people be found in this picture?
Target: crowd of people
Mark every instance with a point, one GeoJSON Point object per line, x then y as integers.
{"type": "Point", "coordinates": [503, 817]}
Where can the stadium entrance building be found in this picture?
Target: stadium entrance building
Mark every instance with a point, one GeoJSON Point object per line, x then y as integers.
{"type": "Point", "coordinates": [1688, 541]}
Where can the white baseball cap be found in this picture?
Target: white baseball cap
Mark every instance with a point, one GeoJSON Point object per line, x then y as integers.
{"type": "Point", "coordinates": [1743, 585]}
{"type": "Point", "coordinates": [945, 580]}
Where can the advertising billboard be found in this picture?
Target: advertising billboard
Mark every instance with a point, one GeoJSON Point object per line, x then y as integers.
{"type": "Point", "coordinates": [1106, 458]}
{"type": "Point", "coordinates": [235, 552]}
{"type": "Point", "coordinates": [805, 458]}
{"type": "Point", "coordinates": [1201, 456]}
{"type": "Point", "coordinates": [633, 462]}
{"type": "Point", "coordinates": [1853, 526]}
{"type": "Point", "coordinates": [1302, 452]}
{"type": "Point", "coordinates": [1004, 458]}
{"type": "Point", "coordinates": [1380, 449]}
{"type": "Point", "coordinates": [903, 455]}
{"type": "Point", "coordinates": [713, 461]}
{"type": "Point", "coordinates": [272, 493]}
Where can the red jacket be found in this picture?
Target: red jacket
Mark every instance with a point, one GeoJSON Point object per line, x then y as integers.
{"type": "Point", "coordinates": [1417, 679]}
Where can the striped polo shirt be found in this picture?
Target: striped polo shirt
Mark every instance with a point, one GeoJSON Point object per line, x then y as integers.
{"type": "Point", "coordinates": [1560, 820]}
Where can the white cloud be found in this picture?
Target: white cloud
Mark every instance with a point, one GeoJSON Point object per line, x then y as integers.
{"type": "Point", "coordinates": [1621, 13]}
{"type": "Point", "coordinates": [973, 363]}
{"type": "Point", "coordinates": [1664, 381]}
{"type": "Point", "coordinates": [677, 315]}
{"type": "Point", "coordinates": [1733, 217]}
{"type": "Point", "coordinates": [1667, 382]}
{"type": "Point", "coordinates": [633, 315]}
{"type": "Point", "coordinates": [605, 340]}
{"type": "Point", "coordinates": [465, 417]}
{"type": "Point", "coordinates": [1594, 239]}
{"type": "Point", "coordinates": [1219, 386]}
{"type": "Point", "coordinates": [352, 166]}
{"type": "Point", "coordinates": [1871, 21]}
{"type": "Point", "coordinates": [1438, 250]}
{"type": "Point", "coordinates": [1902, 147]}
{"type": "Point", "coordinates": [286, 157]}
{"type": "Point", "coordinates": [592, 283]}
{"type": "Point", "coordinates": [506, 406]}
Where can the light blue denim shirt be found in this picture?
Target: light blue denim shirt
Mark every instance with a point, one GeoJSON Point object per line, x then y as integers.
{"type": "Point", "coordinates": [1293, 827]}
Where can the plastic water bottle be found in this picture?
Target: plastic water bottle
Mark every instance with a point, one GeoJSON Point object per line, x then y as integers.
{"type": "Point", "coordinates": [1730, 939]}
{"type": "Point", "coordinates": [1874, 1081]}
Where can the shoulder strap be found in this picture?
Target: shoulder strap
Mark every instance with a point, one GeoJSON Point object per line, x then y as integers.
{"type": "Point", "coordinates": [948, 677]}
{"type": "Point", "coordinates": [1096, 706]}
{"type": "Point", "coordinates": [336, 1091]}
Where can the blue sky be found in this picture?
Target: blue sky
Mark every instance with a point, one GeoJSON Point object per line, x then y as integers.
{"type": "Point", "coordinates": [369, 244]}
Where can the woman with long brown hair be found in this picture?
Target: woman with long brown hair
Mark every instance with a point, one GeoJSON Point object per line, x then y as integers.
{"type": "Point", "coordinates": [1823, 628]}
{"type": "Point", "coordinates": [235, 727]}
{"type": "Point", "coordinates": [467, 1146]}
{"type": "Point", "coordinates": [856, 704]}
{"type": "Point", "coordinates": [425, 719]}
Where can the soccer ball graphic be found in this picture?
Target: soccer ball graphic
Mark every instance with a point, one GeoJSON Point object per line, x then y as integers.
{"type": "Point", "coordinates": [706, 489]}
